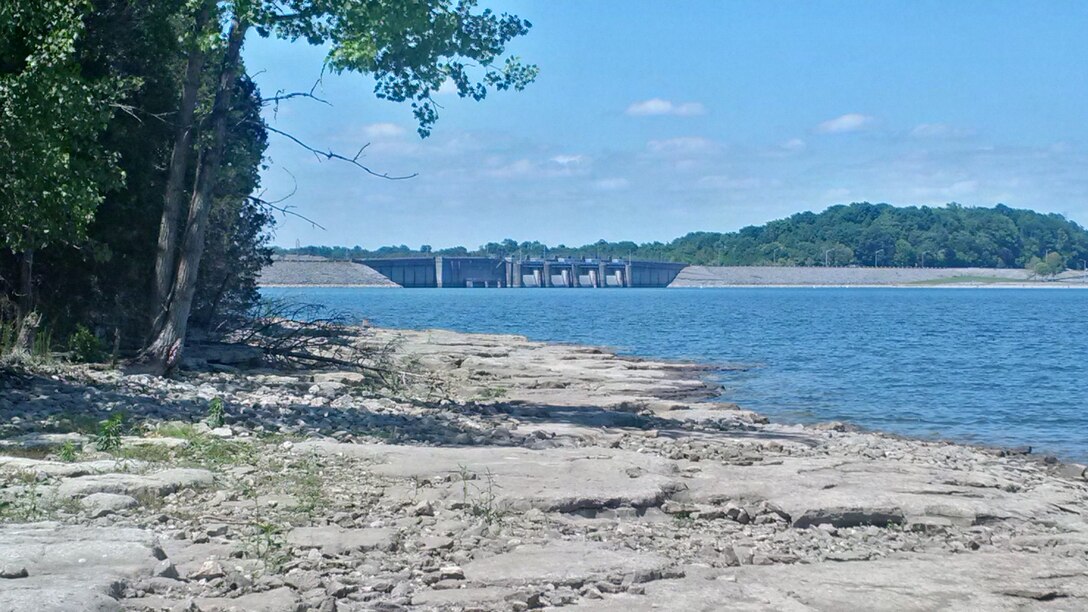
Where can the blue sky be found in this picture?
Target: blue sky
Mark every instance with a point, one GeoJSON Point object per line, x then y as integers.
{"type": "Point", "coordinates": [653, 119]}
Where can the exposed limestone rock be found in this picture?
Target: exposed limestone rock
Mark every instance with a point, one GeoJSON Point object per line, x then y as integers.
{"type": "Point", "coordinates": [158, 483]}
{"type": "Point", "coordinates": [514, 475]}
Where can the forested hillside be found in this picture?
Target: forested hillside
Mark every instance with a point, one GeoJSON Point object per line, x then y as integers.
{"type": "Point", "coordinates": [860, 234]}
{"type": "Point", "coordinates": [132, 140]}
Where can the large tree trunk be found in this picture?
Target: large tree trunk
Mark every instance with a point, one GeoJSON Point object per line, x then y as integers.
{"type": "Point", "coordinates": [27, 319]}
{"type": "Point", "coordinates": [164, 353]}
{"type": "Point", "coordinates": [170, 225]}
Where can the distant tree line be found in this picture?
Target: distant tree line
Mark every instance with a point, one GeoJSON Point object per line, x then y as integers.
{"type": "Point", "coordinates": [859, 234]}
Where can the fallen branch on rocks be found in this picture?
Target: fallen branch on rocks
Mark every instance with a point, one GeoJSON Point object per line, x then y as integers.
{"type": "Point", "coordinates": [299, 335]}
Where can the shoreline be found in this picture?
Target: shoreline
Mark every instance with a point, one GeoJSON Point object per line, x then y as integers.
{"type": "Point", "coordinates": [509, 474]}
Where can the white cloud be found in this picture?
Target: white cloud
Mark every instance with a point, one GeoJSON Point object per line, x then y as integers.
{"type": "Point", "coordinates": [567, 160]}
{"type": "Point", "coordinates": [938, 130]}
{"type": "Point", "coordinates": [526, 168]}
{"type": "Point", "coordinates": [684, 145]}
{"type": "Point", "coordinates": [850, 122]}
{"type": "Point", "coordinates": [793, 145]}
{"type": "Point", "coordinates": [657, 106]}
{"type": "Point", "coordinates": [383, 130]}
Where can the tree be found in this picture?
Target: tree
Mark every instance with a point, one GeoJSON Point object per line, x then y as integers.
{"type": "Point", "coordinates": [1051, 265]}
{"type": "Point", "coordinates": [53, 168]}
{"type": "Point", "coordinates": [410, 47]}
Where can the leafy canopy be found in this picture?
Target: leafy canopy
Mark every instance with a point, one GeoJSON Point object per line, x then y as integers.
{"type": "Point", "coordinates": [410, 47]}
{"type": "Point", "coordinates": [53, 169]}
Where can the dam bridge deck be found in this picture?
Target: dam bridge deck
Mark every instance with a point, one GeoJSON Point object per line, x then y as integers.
{"type": "Point", "coordinates": [449, 272]}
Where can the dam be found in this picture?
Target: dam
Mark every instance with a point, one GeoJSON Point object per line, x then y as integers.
{"type": "Point", "coordinates": [509, 272]}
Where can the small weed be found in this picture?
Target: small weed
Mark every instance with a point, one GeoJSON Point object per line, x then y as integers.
{"type": "Point", "coordinates": [307, 487]}
{"type": "Point", "coordinates": [108, 437]}
{"type": "Point", "coordinates": [482, 501]}
{"type": "Point", "coordinates": [216, 413]}
{"type": "Point", "coordinates": [68, 452]}
{"type": "Point", "coordinates": [267, 544]}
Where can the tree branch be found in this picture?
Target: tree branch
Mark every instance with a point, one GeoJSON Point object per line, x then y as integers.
{"type": "Point", "coordinates": [351, 160]}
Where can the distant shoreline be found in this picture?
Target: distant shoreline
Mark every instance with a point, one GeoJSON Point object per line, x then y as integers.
{"type": "Point", "coordinates": [299, 272]}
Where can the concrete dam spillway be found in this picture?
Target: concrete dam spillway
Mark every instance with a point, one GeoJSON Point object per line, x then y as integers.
{"type": "Point", "coordinates": [449, 272]}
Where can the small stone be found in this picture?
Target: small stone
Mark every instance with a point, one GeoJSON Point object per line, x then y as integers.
{"type": "Point", "coordinates": [338, 589]}
{"type": "Point", "coordinates": [451, 572]}
{"type": "Point", "coordinates": [302, 580]}
{"type": "Point", "coordinates": [208, 570]}
{"type": "Point", "coordinates": [165, 569]}
{"type": "Point", "coordinates": [423, 508]}
{"type": "Point", "coordinates": [13, 571]}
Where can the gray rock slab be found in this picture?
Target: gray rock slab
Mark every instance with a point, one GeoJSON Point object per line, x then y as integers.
{"type": "Point", "coordinates": [846, 492]}
{"type": "Point", "coordinates": [562, 479]}
{"type": "Point", "coordinates": [53, 594]}
{"type": "Point", "coordinates": [333, 540]}
{"type": "Point", "coordinates": [564, 563]}
{"type": "Point", "coordinates": [975, 581]}
{"type": "Point", "coordinates": [72, 567]}
{"type": "Point", "coordinates": [157, 483]}
{"type": "Point", "coordinates": [60, 469]}
{"type": "Point", "coordinates": [101, 504]}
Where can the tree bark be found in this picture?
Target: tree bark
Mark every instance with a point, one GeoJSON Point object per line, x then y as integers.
{"type": "Point", "coordinates": [164, 352]}
{"type": "Point", "coordinates": [170, 225]}
{"type": "Point", "coordinates": [28, 320]}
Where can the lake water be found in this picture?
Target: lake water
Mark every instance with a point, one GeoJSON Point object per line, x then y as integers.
{"type": "Point", "coordinates": [992, 366]}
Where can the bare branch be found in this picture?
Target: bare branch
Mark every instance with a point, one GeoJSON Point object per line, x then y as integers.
{"type": "Point", "coordinates": [285, 210]}
{"type": "Point", "coordinates": [330, 155]}
{"type": "Point", "coordinates": [281, 96]}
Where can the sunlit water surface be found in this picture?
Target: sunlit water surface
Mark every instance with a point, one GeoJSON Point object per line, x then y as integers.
{"type": "Point", "coordinates": [999, 367]}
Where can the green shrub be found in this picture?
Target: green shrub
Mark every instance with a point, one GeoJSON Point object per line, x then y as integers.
{"type": "Point", "coordinates": [216, 413]}
{"type": "Point", "coordinates": [108, 437]}
{"type": "Point", "coordinates": [68, 452]}
{"type": "Point", "coordinates": [85, 346]}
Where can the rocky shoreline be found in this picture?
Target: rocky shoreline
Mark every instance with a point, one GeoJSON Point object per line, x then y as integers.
{"type": "Point", "coordinates": [502, 474]}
